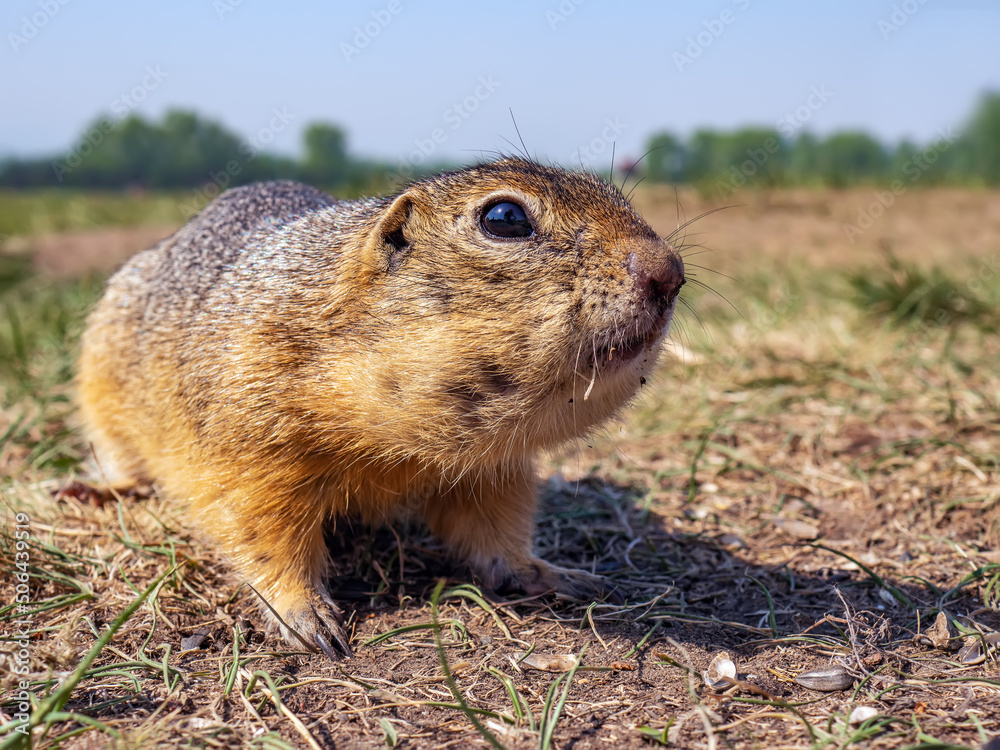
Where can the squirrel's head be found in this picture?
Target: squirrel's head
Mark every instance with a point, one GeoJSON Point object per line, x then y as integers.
{"type": "Point", "coordinates": [513, 305]}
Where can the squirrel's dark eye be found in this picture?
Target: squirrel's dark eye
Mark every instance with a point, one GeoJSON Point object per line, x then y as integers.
{"type": "Point", "coordinates": [506, 220]}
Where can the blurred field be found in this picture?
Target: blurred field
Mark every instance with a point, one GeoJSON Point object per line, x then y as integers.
{"type": "Point", "coordinates": [812, 478]}
{"type": "Point", "coordinates": [39, 212]}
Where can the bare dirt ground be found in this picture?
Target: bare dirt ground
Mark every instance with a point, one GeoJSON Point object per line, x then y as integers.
{"type": "Point", "coordinates": [804, 487]}
{"type": "Point", "coordinates": [70, 254]}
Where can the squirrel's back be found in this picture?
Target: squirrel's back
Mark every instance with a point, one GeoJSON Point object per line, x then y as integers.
{"type": "Point", "coordinates": [185, 269]}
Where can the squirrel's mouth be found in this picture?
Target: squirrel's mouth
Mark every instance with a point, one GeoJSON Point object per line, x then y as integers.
{"type": "Point", "coordinates": [620, 350]}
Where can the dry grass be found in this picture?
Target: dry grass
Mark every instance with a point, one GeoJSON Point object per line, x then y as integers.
{"type": "Point", "coordinates": [808, 484]}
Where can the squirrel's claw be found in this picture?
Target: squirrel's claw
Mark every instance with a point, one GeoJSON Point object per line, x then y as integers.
{"type": "Point", "coordinates": [316, 625]}
{"type": "Point", "coordinates": [342, 649]}
{"type": "Point", "coordinates": [328, 634]}
{"type": "Point", "coordinates": [325, 647]}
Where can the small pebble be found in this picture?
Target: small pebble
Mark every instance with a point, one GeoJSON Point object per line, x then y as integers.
{"type": "Point", "coordinates": [826, 679]}
{"type": "Point", "coordinates": [732, 540]}
{"type": "Point", "coordinates": [971, 651]}
{"type": "Point", "coordinates": [886, 596]}
{"type": "Point", "coordinates": [862, 713]}
{"type": "Point", "coordinates": [550, 662]}
{"type": "Point", "coordinates": [191, 642]}
{"type": "Point", "coordinates": [720, 671]}
{"type": "Point", "coordinates": [798, 529]}
{"type": "Point", "coordinates": [940, 633]}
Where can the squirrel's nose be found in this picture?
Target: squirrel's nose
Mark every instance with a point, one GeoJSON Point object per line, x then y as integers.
{"type": "Point", "coordinates": [657, 270]}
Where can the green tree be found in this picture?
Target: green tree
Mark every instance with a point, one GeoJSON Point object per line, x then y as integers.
{"type": "Point", "coordinates": [706, 155]}
{"type": "Point", "coordinates": [850, 157]}
{"type": "Point", "coordinates": [185, 149]}
{"type": "Point", "coordinates": [903, 155]}
{"type": "Point", "coordinates": [326, 160]}
{"type": "Point", "coordinates": [981, 140]}
{"type": "Point", "coordinates": [802, 162]}
{"type": "Point", "coordinates": [189, 148]}
{"type": "Point", "coordinates": [760, 155]}
{"type": "Point", "coordinates": [666, 158]}
{"type": "Point", "coordinates": [128, 155]}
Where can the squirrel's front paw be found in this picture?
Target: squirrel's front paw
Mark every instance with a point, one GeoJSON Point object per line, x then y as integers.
{"type": "Point", "coordinates": [312, 622]}
{"type": "Point", "coordinates": [584, 586]}
{"type": "Point", "coordinates": [538, 577]}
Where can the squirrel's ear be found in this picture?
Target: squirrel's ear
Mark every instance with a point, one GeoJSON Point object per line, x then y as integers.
{"type": "Point", "coordinates": [388, 243]}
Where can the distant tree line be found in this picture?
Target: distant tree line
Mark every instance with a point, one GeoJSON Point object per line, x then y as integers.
{"type": "Point", "coordinates": [186, 150]}
{"type": "Point", "coordinates": [724, 161]}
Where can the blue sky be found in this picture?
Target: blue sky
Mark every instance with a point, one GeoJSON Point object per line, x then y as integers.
{"type": "Point", "coordinates": [400, 75]}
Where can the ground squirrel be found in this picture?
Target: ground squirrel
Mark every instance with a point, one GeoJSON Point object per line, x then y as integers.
{"type": "Point", "coordinates": [286, 358]}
